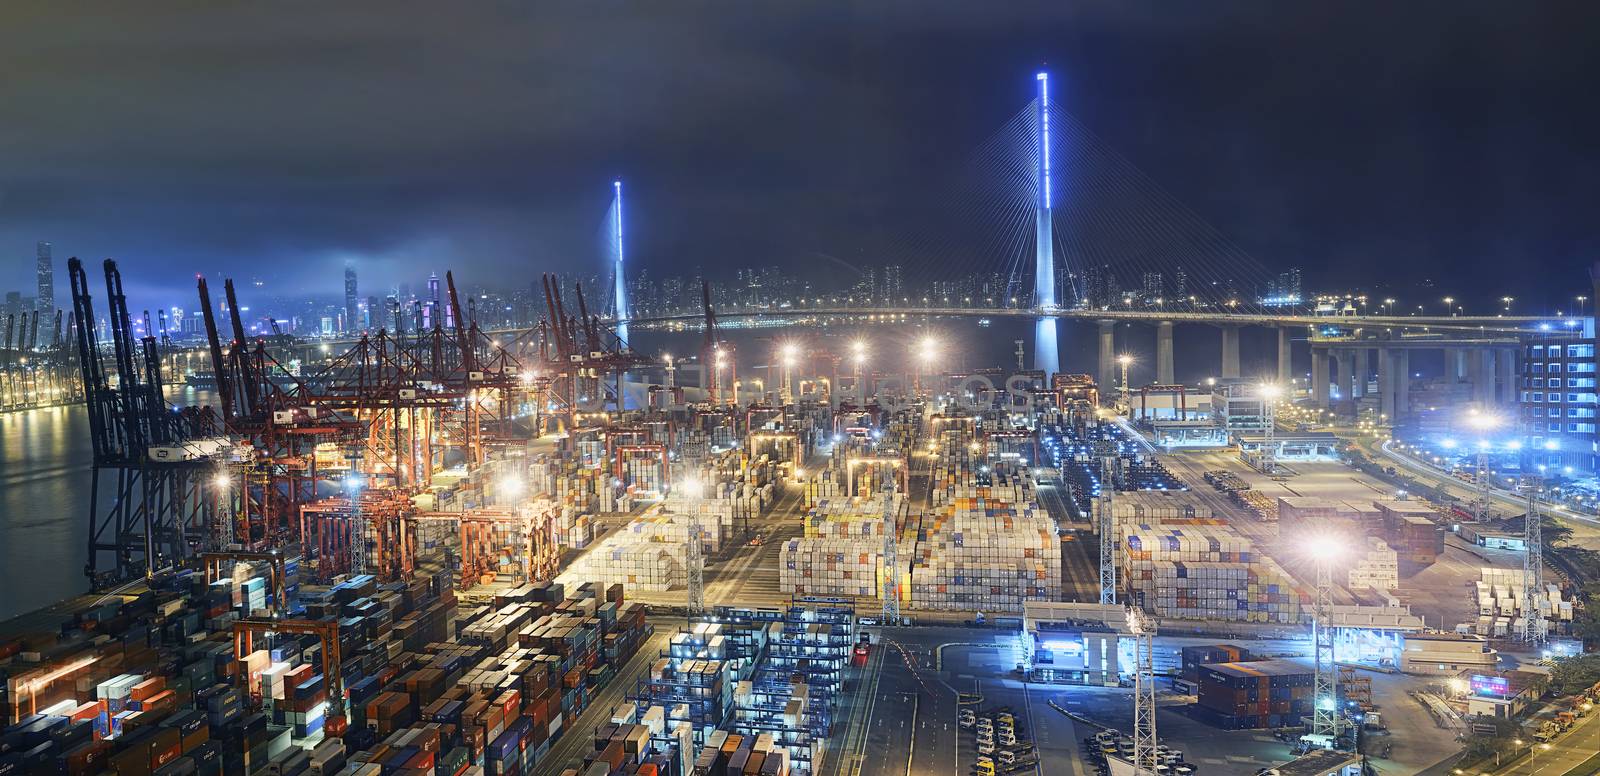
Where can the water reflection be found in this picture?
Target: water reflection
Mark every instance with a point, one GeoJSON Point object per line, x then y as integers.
{"type": "Point", "coordinates": [45, 464]}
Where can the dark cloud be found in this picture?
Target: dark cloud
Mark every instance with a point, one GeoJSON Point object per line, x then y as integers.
{"type": "Point", "coordinates": [282, 139]}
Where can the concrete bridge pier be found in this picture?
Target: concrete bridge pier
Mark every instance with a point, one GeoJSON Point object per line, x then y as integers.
{"type": "Point", "coordinates": [1285, 358]}
{"type": "Point", "coordinates": [1165, 373]}
{"type": "Point", "coordinates": [1359, 390]}
{"type": "Point", "coordinates": [1230, 351]}
{"type": "Point", "coordinates": [1480, 368]}
{"type": "Point", "coordinates": [1505, 365]}
{"type": "Point", "coordinates": [1319, 377]}
{"type": "Point", "coordinates": [1344, 361]}
{"type": "Point", "coordinates": [1455, 364]}
{"type": "Point", "coordinates": [1107, 376]}
{"type": "Point", "coordinates": [1386, 383]}
{"type": "Point", "coordinates": [1402, 384]}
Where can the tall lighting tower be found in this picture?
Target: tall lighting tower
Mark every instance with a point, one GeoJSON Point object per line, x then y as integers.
{"type": "Point", "coordinates": [1269, 447]}
{"type": "Point", "coordinates": [358, 525]}
{"type": "Point", "coordinates": [1532, 566]}
{"type": "Point", "coordinates": [694, 563]}
{"type": "Point", "coordinates": [927, 355]}
{"type": "Point", "coordinates": [891, 555]}
{"type": "Point", "coordinates": [1125, 361]}
{"type": "Point", "coordinates": [1325, 690]}
{"type": "Point", "coordinates": [1108, 541]}
{"type": "Point", "coordinates": [786, 358]}
{"type": "Point", "coordinates": [1482, 422]}
{"type": "Point", "coordinates": [1144, 692]}
{"type": "Point", "coordinates": [858, 357]}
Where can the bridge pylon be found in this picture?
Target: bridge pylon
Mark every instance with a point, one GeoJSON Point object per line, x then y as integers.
{"type": "Point", "coordinates": [1046, 349]}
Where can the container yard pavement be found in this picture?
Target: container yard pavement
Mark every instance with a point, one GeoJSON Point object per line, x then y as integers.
{"type": "Point", "coordinates": [894, 703]}
{"type": "Point", "coordinates": [742, 575]}
{"type": "Point", "coordinates": [1439, 594]}
{"type": "Point", "coordinates": [578, 739]}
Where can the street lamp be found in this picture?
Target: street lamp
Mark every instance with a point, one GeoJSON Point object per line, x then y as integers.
{"type": "Point", "coordinates": [1124, 361]}
{"type": "Point", "coordinates": [1450, 305]}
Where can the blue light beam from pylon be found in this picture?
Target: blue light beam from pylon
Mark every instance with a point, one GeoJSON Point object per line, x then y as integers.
{"type": "Point", "coordinates": [1046, 349]}
{"type": "Point", "coordinates": [620, 291]}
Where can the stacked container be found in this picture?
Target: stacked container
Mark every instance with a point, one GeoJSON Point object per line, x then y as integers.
{"type": "Point", "coordinates": [1205, 572]}
{"type": "Point", "coordinates": [985, 552]}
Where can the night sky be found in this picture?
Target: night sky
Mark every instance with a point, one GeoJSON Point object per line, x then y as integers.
{"type": "Point", "coordinates": [1454, 141]}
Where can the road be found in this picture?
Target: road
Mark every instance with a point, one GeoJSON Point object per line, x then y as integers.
{"type": "Point", "coordinates": [750, 576]}
{"type": "Point", "coordinates": [1585, 528]}
{"type": "Point", "coordinates": [744, 575]}
{"type": "Point", "coordinates": [847, 751]}
{"type": "Point", "coordinates": [577, 738]}
{"type": "Point", "coordinates": [1577, 753]}
{"type": "Point", "coordinates": [1080, 576]}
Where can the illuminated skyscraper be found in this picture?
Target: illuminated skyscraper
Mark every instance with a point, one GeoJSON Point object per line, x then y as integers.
{"type": "Point", "coordinates": [45, 303]}
{"type": "Point", "coordinates": [432, 317]}
{"type": "Point", "coordinates": [352, 311]}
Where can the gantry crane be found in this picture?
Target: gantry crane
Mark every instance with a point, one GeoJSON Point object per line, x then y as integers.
{"type": "Point", "coordinates": [148, 505]}
{"type": "Point", "coordinates": [327, 633]}
{"type": "Point", "coordinates": [275, 560]}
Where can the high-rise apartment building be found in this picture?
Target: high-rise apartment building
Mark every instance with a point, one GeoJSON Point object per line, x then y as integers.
{"type": "Point", "coordinates": [893, 284]}
{"type": "Point", "coordinates": [1154, 286]}
{"type": "Point", "coordinates": [1284, 290]}
{"type": "Point", "coordinates": [434, 309]}
{"type": "Point", "coordinates": [1558, 400]}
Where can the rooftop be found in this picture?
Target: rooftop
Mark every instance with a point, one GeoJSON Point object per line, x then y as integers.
{"type": "Point", "coordinates": [1319, 763]}
{"type": "Point", "coordinates": [1255, 668]}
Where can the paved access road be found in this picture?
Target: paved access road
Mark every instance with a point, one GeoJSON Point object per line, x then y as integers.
{"type": "Point", "coordinates": [1577, 753]}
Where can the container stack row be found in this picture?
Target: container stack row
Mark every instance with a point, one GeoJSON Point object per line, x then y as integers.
{"type": "Point", "coordinates": [1410, 529]}
{"type": "Point", "coordinates": [1375, 566]}
{"type": "Point", "coordinates": [985, 551]}
{"type": "Point", "coordinates": [1349, 520]}
{"type": "Point", "coordinates": [1502, 602]}
{"type": "Point", "coordinates": [1199, 571]}
{"type": "Point", "coordinates": [1255, 694]}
